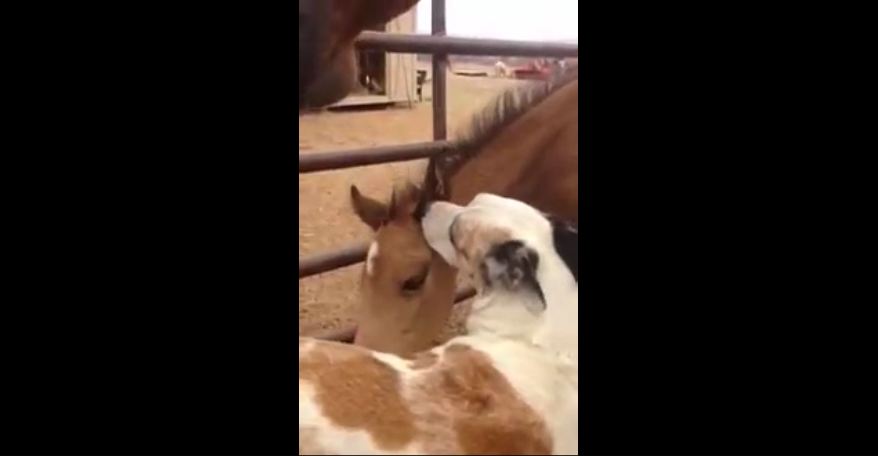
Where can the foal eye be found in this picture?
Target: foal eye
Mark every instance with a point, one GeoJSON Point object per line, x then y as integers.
{"type": "Point", "coordinates": [415, 283]}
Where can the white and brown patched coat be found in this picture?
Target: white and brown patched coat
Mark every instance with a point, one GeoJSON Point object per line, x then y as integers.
{"type": "Point", "coordinates": [506, 388]}
{"type": "Point", "coordinates": [466, 397]}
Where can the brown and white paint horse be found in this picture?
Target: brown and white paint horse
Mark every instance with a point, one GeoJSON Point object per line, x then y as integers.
{"type": "Point", "coordinates": [327, 29]}
{"type": "Point", "coordinates": [510, 386]}
{"type": "Point", "coordinates": [525, 146]}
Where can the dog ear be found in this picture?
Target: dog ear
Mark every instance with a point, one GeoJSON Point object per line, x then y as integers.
{"type": "Point", "coordinates": [512, 265]}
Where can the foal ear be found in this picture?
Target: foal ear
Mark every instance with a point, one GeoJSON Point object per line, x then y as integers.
{"type": "Point", "coordinates": [405, 202]}
{"type": "Point", "coordinates": [371, 212]}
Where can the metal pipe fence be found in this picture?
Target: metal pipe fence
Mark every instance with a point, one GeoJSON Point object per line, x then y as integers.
{"type": "Point", "coordinates": [440, 46]}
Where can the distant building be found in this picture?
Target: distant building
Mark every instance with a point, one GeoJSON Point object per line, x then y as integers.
{"type": "Point", "coordinates": [386, 78]}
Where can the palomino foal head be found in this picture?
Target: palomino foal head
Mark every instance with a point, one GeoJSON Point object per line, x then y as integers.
{"type": "Point", "coordinates": [406, 289]}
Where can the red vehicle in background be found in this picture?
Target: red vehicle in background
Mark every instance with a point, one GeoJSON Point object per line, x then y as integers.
{"type": "Point", "coordinates": [541, 69]}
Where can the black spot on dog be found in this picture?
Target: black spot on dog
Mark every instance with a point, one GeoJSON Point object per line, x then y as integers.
{"type": "Point", "coordinates": [512, 265]}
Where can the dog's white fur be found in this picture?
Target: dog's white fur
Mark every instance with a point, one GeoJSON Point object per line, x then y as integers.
{"type": "Point", "coordinates": [536, 352]}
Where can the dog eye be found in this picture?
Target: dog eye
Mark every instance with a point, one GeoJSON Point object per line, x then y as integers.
{"type": "Point", "coordinates": [415, 283]}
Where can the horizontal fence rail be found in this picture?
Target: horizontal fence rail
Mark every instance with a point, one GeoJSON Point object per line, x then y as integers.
{"type": "Point", "coordinates": [427, 44]}
{"type": "Point", "coordinates": [322, 262]}
{"type": "Point", "coordinates": [394, 42]}
{"type": "Point", "coordinates": [347, 334]}
{"type": "Point", "coordinates": [440, 46]}
{"type": "Point", "coordinates": [324, 161]}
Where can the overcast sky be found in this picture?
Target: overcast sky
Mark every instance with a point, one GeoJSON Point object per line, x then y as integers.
{"type": "Point", "coordinates": [544, 20]}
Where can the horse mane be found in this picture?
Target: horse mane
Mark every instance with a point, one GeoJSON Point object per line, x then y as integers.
{"type": "Point", "coordinates": [505, 109]}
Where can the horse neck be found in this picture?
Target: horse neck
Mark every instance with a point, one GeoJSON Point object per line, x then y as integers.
{"type": "Point", "coordinates": [498, 165]}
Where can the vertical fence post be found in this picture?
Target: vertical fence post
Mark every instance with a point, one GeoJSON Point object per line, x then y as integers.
{"type": "Point", "coordinates": [325, 262]}
{"type": "Point", "coordinates": [440, 62]}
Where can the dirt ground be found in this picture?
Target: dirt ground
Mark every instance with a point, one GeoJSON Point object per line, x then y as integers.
{"type": "Point", "coordinates": [326, 220]}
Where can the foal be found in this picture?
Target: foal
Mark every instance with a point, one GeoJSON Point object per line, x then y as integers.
{"type": "Point", "coordinates": [508, 387]}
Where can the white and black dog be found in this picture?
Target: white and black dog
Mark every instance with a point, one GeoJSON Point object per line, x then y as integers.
{"type": "Point", "coordinates": [510, 386]}
{"type": "Point", "coordinates": [509, 249]}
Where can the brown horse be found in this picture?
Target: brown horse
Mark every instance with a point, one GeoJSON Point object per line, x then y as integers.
{"type": "Point", "coordinates": [525, 147]}
{"type": "Point", "coordinates": [327, 29]}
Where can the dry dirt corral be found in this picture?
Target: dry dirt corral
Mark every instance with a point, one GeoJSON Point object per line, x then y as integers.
{"type": "Point", "coordinates": [325, 218]}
